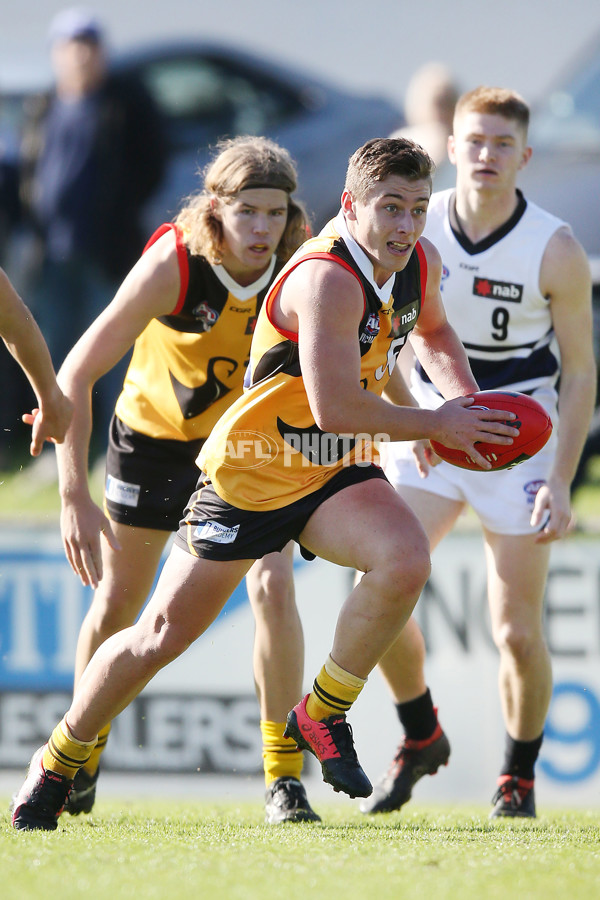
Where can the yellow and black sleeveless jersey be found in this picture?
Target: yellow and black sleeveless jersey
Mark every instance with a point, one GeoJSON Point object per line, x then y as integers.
{"type": "Point", "coordinates": [188, 367]}
{"type": "Point", "coordinates": [267, 451]}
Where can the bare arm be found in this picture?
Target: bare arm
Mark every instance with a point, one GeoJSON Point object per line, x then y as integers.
{"type": "Point", "coordinates": [25, 342]}
{"type": "Point", "coordinates": [324, 304]}
{"type": "Point", "coordinates": [565, 280]}
{"type": "Point", "coordinates": [149, 290]}
{"type": "Point", "coordinates": [397, 390]}
{"type": "Point", "coordinates": [435, 342]}
{"type": "Point", "coordinates": [439, 350]}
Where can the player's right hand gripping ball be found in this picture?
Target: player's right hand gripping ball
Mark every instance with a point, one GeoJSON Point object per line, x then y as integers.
{"type": "Point", "coordinates": [533, 422]}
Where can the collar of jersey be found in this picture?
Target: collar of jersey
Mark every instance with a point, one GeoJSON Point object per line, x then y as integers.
{"type": "Point", "coordinates": [251, 290]}
{"type": "Point", "coordinates": [362, 260]}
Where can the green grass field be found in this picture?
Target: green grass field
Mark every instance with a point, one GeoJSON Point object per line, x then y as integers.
{"type": "Point", "coordinates": [159, 849]}
{"type": "Point", "coordinates": [144, 849]}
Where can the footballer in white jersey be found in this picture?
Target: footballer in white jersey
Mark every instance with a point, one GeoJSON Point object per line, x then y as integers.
{"type": "Point", "coordinates": [492, 298]}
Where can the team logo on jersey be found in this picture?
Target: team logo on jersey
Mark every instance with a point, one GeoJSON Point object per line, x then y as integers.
{"type": "Point", "coordinates": [195, 400]}
{"type": "Point", "coordinates": [206, 315]}
{"type": "Point", "coordinates": [497, 290]}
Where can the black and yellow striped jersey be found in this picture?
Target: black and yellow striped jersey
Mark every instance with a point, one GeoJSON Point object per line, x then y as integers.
{"type": "Point", "coordinates": [188, 367]}
{"type": "Point", "coordinates": [267, 451]}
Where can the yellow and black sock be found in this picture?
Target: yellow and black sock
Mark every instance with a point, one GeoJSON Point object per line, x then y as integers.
{"type": "Point", "coordinates": [94, 761]}
{"type": "Point", "coordinates": [281, 756]}
{"type": "Point", "coordinates": [334, 691]}
{"type": "Point", "coordinates": [64, 753]}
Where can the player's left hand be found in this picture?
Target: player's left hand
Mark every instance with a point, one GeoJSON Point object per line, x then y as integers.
{"type": "Point", "coordinates": [425, 457]}
{"type": "Point", "coordinates": [551, 512]}
{"type": "Point", "coordinates": [49, 423]}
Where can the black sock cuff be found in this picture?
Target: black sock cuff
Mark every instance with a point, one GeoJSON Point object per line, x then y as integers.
{"type": "Point", "coordinates": [520, 757]}
{"type": "Point", "coordinates": [418, 717]}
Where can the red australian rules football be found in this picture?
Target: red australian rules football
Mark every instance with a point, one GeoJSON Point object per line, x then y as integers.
{"type": "Point", "coordinates": [533, 422]}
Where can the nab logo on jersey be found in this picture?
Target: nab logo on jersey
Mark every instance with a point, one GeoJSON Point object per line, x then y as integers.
{"type": "Point", "coordinates": [497, 290]}
{"type": "Point", "coordinates": [251, 325]}
{"type": "Point", "coordinates": [404, 319]}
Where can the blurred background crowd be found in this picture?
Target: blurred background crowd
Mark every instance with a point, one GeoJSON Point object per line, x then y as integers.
{"type": "Point", "coordinates": [99, 145]}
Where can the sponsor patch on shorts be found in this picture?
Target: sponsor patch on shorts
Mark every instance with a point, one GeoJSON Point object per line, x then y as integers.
{"type": "Point", "coordinates": [122, 491]}
{"type": "Point", "coordinates": [218, 534]}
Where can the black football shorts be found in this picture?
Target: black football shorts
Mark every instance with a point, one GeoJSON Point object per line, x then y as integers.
{"type": "Point", "coordinates": [213, 529]}
{"type": "Point", "coordinates": [148, 480]}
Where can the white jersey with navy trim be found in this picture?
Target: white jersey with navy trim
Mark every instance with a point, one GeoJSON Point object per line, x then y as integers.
{"type": "Point", "coordinates": [492, 298]}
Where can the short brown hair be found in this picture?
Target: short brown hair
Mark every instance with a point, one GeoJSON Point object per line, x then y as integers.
{"type": "Point", "coordinates": [494, 101]}
{"type": "Point", "coordinates": [381, 157]}
{"type": "Point", "coordinates": [239, 164]}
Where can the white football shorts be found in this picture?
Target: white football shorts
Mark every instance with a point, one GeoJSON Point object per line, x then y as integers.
{"type": "Point", "coordinates": [503, 500]}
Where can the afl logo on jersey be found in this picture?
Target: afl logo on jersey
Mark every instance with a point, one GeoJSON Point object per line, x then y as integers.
{"type": "Point", "coordinates": [445, 274]}
{"type": "Point", "coordinates": [206, 315]}
{"type": "Point", "coordinates": [371, 329]}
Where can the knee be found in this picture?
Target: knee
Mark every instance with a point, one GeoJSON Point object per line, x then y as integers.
{"type": "Point", "coordinates": [161, 644]}
{"type": "Point", "coordinates": [109, 613]}
{"type": "Point", "coordinates": [271, 591]}
{"type": "Point", "coordinates": [518, 640]}
{"type": "Point", "coordinates": [405, 573]}
{"type": "Point", "coordinates": [415, 571]}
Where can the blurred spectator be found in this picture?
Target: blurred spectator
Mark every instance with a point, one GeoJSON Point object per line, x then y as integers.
{"type": "Point", "coordinates": [9, 198]}
{"type": "Point", "coordinates": [19, 331]}
{"type": "Point", "coordinates": [429, 104]}
{"type": "Point", "coordinates": [93, 152]}
{"type": "Point", "coordinates": [13, 401]}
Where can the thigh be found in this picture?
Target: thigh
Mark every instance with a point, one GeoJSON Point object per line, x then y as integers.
{"type": "Point", "coordinates": [361, 524]}
{"type": "Point", "coordinates": [130, 572]}
{"type": "Point", "coordinates": [436, 514]}
{"type": "Point", "coordinates": [517, 570]}
{"type": "Point", "coordinates": [190, 594]}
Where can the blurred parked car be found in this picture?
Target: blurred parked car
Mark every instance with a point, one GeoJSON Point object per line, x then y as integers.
{"type": "Point", "coordinates": [207, 91]}
{"type": "Point", "coordinates": [564, 173]}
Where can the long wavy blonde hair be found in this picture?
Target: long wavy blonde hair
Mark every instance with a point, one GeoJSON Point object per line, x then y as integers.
{"type": "Point", "coordinates": [238, 164]}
